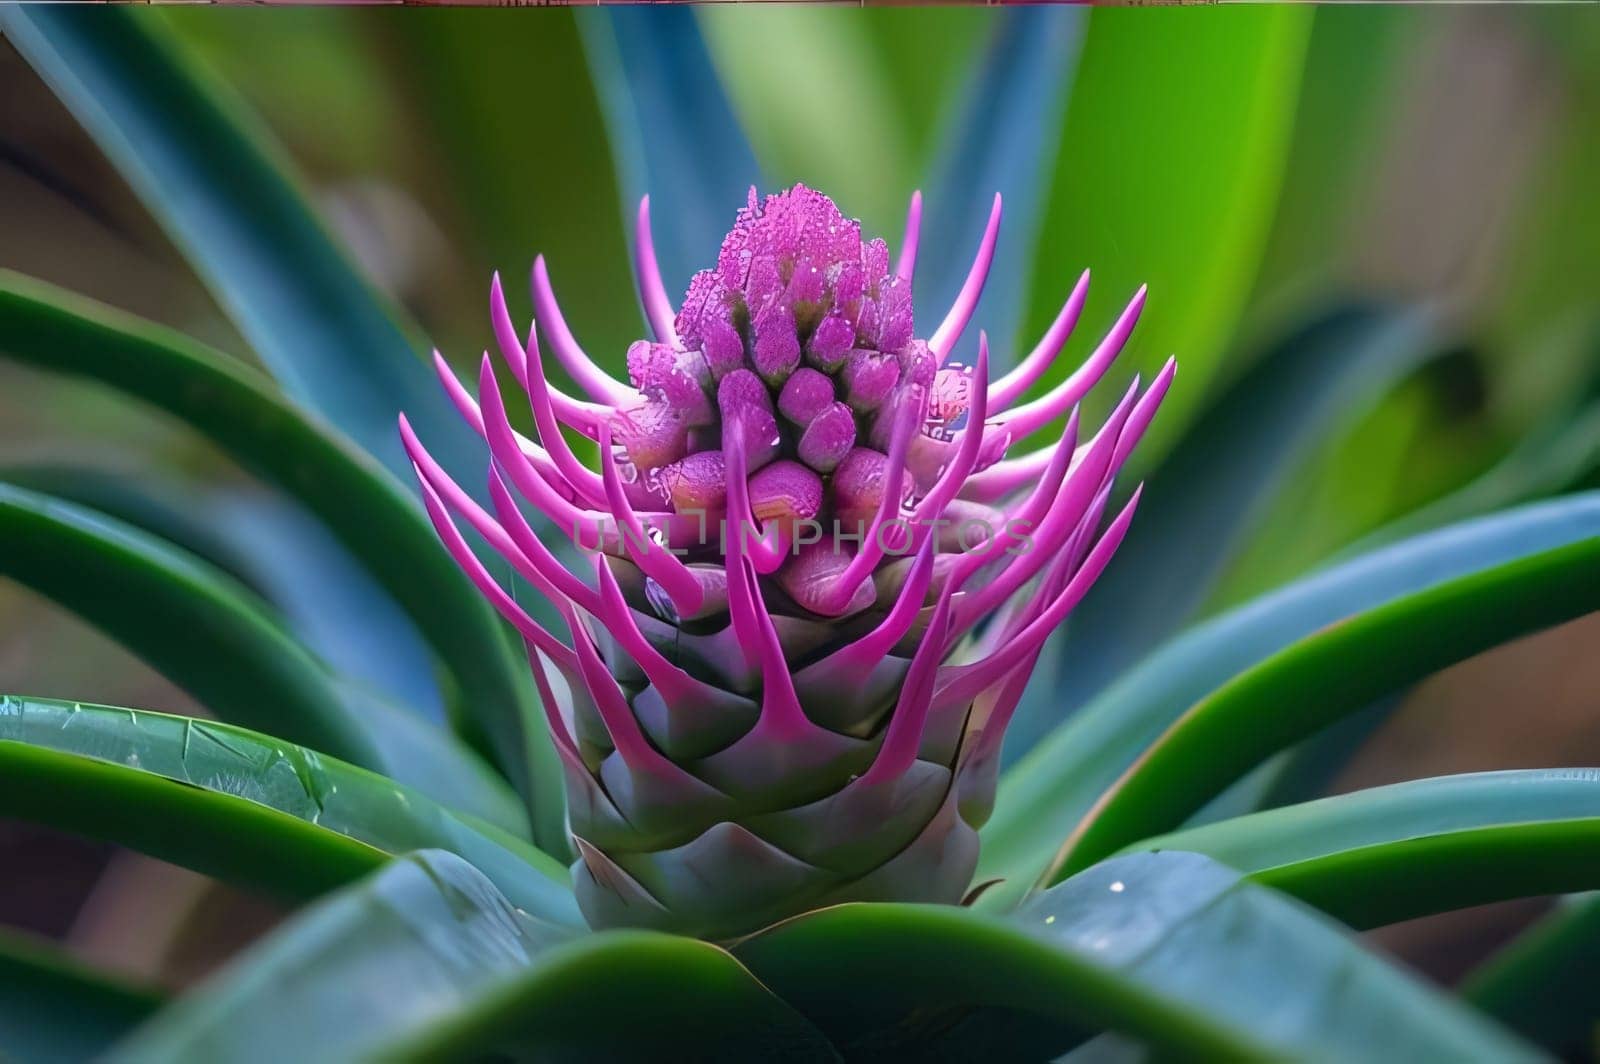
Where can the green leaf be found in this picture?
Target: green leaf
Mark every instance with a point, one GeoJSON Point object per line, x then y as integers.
{"type": "Point", "coordinates": [370, 513]}
{"type": "Point", "coordinates": [277, 551]}
{"type": "Point", "coordinates": [1004, 138]}
{"type": "Point", "coordinates": [1057, 784]}
{"type": "Point", "coordinates": [1544, 984]}
{"type": "Point", "coordinates": [244, 807]}
{"type": "Point", "coordinates": [463, 67]}
{"type": "Point", "coordinates": [427, 961]}
{"type": "Point", "coordinates": [408, 748]}
{"type": "Point", "coordinates": [1392, 853]}
{"type": "Point", "coordinates": [1209, 492]}
{"type": "Point", "coordinates": [674, 134]}
{"type": "Point", "coordinates": [188, 621]}
{"type": "Point", "coordinates": [227, 199]}
{"type": "Point", "coordinates": [1172, 949]}
{"type": "Point", "coordinates": [1168, 174]}
{"type": "Point", "coordinates": [1329, 675]}
{"type": "Point", "coordinates": [54, 1011]}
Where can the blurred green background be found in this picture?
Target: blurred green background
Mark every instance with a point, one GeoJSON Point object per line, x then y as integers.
{"type": "Point", "coordinates": [1257, 167]}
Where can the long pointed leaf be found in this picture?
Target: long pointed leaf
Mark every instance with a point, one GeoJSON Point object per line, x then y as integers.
{"type": "Point", "coordinates": [427, 961]}
{"type": "Point", "coordinates": [187, 620]}
{"type": "Point", "coordinates": [373, 517]}
{"type": "Point", "coordinates": [244, 807]}
{"type": "Point", "coordinates": [183, 142]}
{"type": "Point", "coordinates": [1057, 784]}
{"type": "Point", "coordinates": [1171, 948]}
{"type": "Point", "coordinates": [1392, 853]}
{"type": "Point", "coordinates": [674, 134]}
{"type": "Point", "coordinates": [1169, 170]}
{"type": "Point", "coordinates": [1208, 493]}
{"type": "Point", "coordinates": [1543, 985]}
{"type": "Point", "coordinates": [54, 1011]}
{"type": "Point", "coordinates": [1004, 139]}
{"type": "Point", "coordinates": [1327, 676]}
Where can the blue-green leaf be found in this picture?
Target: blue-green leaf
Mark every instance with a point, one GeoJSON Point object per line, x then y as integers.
{"type": "Point", "coordinates": [1172, 949]}
{"type": "Point", "coordinates": [247, 808]}
{"type": "Point", "coordinates": [1055, 786]}
{"type": "Point", "coordinates": [1207, 494]}
{"type": "Point", "coordinates": [426, 960]}
{"type": "Point", "coordinates": [53, 1011]}
{"type": "Point", "coordinates": [1411, 849]}
{"type": "Point", "coordinates": [231, 205]}
{"type": "Point", "coordinates": [1004, 139]}
{"type": "Point", "coordinates": [673, 132]}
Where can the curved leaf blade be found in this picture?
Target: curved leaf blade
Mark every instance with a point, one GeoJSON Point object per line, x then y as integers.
{"type": "Point", "coordinates": [367, 510]}
{"type": "Point", "coordinates": [229, 203]}
{"type": "Point", "coordinates": [1392, 853]}
{"type": "Point", "coordinates": [674, 134]}
{"type": "Point", "coordinates": [1543, 984]}
{"type": "Point", "coordinates": [1004, 139]}
{"type": "Point", "coordinates": [1171, 948]}
{"type": "Point", "coordinates": [54, 1011]}
{"type": "Point", "coordinates": [244, 807]}
{"type": "Point", "coordinates": [426, 960]}
{"type": "Point", "coordinates": [1056, 785]}
{"type": "Point", "coordinates": [1209, 491]}
{"type": "Point", "coordinates": [188, 621]}
{"type": "Point", "coordinates": [1329, 675]}
{"type": "Point", "coordinates": [1171, 160]}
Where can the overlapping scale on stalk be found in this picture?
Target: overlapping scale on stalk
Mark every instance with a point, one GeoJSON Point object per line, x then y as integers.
{"type": "Point", "coordinates": [816, 584]}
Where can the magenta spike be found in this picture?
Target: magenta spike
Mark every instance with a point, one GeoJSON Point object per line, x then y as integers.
{"type": "Point", "coordinates": [544, 419]}
{"type": "Point", "coordinates": [872, 547]}
{"type": "Point", "coordinates": [943, 341]}
{"type": "Point", "coordinates": [459, 500]}
{"type": "Point", "coordinates": [1007, 389]}
{"type": "Point", "coordinates": [572, 520]}
{"type": "Point", "coordinates": [652, 293]}
{"type": "Point", "coordinates": [537, 565]}
{"type": "Point", "coordinates": [780, 704]}
{"type": "Point", "coordinates": [1041, 411]}
{"type": "Point", "coordinates": [671, 681]}
{"type": "Point", "coordinates": [467, 407]}
{"type": "Point", "coordinates": [910, 717]}
{"type": "Point", "coordinates": [457, 547]}
{"type": "Point", "coordinates": [601, 386]}
{"type": "Point", "coordinates": [1052, 532]}
{"type": "Point", "coordinates": [856, 660]}
{"type": "Point", "coordinates": [1006, 699]}
{"type": "Point", "coordinates": [505, 333]}
{"type": "Point", "coordinates": [626, 735]}
{"type": "Point", "coordinates": [566, 745]}
{"type": "Point", "coordinates": [1004, 479]}
{"type": "Point", "coordinates": [906, 267]}
{"type": "Point", "coordinates": [764, 556]}
{"type": "Point", "coordinates": [962, 683]}
{"type": "Point", "coordinates": [658, 562]}
{"type": "Point", "coordinates": [1144, 412]}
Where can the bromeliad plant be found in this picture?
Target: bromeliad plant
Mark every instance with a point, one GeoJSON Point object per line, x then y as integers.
{"type": "Point", "coordinates": [810, 589]}
{"type": "Point", "coordinates": [796, 709]}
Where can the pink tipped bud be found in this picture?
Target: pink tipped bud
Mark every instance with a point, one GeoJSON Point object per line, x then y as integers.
{"type": "Point", "coordinates": [805, 395]}
{"type": "Point", "coordinates": [785, 491]}
{"type": "Point", "coordinates": [699, 483]}
{"type": "Point", "coordinates": [651, 434]}
{"type": "Point", "coordinates": [831, 342]}
{"type": "Point", "coordinates": [676, 378]}
{"type": "Point", "coordinates": [828, 438]}
{"type": "Point", "coordinates": [869, 377]}
{"type": "Point", "coordinates": [858, 485]}
{"type": "Point", "coordinates": [776, 351]}
{"type": "Point", "coordinates": [810, 578]}
{"type": "Point", "coordinates": [722, 346]}
{"type": "Point", "coordinates": [747, 407]}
